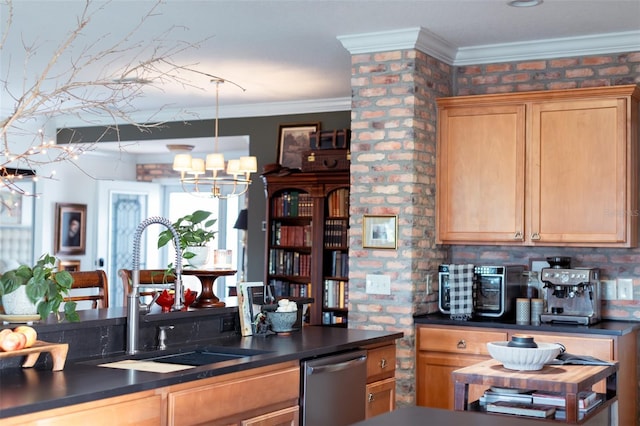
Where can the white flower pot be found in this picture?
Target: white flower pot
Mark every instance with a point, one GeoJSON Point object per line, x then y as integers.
{"type": "Point", "coordinates": [17, 303]}
{"type": "Point", "coordinates": [201, 257]}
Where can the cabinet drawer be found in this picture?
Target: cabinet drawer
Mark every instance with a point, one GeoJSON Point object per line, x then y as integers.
{"type": "Point", "coordinates": [601, 348]}
{"type": "Point", "coordinates": [470, 341]}
{"type": "Point", "coordinates": [381, 363]}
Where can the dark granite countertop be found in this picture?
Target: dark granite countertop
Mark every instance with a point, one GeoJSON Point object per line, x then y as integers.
{"type": "Point", "coordinates": [605, 327]}
{"type": "Point", "coordinates": [29, 390]}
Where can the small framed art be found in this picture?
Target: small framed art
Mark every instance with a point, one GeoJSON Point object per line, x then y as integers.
{"type": "Point", "coordinates": [293, 140]}
{"type": "Point", "coordinates": [71, 228]}
{"type": "Point", "coordinates": [380, 231]}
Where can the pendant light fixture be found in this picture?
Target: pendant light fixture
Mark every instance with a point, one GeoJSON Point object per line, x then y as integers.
{"type": "Point", "coordinates": [213, 176]}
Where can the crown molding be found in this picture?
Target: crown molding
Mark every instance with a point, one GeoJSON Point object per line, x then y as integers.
{"type": "Point", "coordinates": [436, 46]}
{"type": "Point", "coordinates": [409, 38]}
{"type": "Point", "coordinates": [226, 111]}
{"type": "Point", "coordinates": [600, 44]}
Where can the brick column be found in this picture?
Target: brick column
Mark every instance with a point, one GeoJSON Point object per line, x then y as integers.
{"type": "Point", "coordinates": [393, 172]}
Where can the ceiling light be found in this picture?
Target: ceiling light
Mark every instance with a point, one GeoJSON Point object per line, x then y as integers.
{"type": "Point", "coordinates": [223, 181]}
{"type": "Point", "coordinates": [524, 3]}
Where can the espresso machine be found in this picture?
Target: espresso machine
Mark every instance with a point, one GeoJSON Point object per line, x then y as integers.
{"type": "Point", "coordinates": [572, 294]}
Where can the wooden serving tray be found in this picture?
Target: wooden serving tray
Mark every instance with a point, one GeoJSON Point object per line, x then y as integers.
{"type": "Point", "coordinates": [58, 354]}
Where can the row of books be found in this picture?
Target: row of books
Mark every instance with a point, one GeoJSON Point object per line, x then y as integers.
{"type": "Point", "coordinates": [331, 318]}
{"type": "Point", "coordinates": [337, 264]}
{"type": "Point", "coordinates": [285, 262]}
{"type": "Point", "coordinates": [283, 288]}
{"type": "Point", "coordinates": [292, 204]}
{"type": "Point", "coordinates": [338, 203]}
{"type": "Point", "coordinates": [291, 235]}
{"type": "Point", "coordinates": [335, 294]}
{"type": "Point", "coordinates": [335, 233]}
{"type": "Point", "coordinates": [536, 403]}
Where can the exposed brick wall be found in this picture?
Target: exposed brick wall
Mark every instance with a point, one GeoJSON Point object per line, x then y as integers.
{"type": "Point", "coordinates": [393, 172]}
{"type": "Point", "coordinates": [548, 74]}
{"type": "Point", "coordinates": [562, 73]}
{"type": "Point", "coordinates": [150, 172]}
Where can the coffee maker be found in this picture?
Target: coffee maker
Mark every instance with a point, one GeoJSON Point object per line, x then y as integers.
{"type": "Point", "coordinates": [572, 294]}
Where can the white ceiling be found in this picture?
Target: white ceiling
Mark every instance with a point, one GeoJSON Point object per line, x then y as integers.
{"type": "Point", "coordinates": [290, 55]}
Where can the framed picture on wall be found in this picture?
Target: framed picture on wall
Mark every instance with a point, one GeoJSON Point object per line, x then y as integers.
{"type": "Point", "coordinates": [71, 228]}
{"type": "Point", "coordinates": [380, 231]}
{"type": "Point", "coordinates": [293, 139]}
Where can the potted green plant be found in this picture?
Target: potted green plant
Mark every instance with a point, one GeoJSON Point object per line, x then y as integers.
{"type": "Point", "coordinates": [43, 285]}
{"type": "Point", "coordinates": [194, 230]}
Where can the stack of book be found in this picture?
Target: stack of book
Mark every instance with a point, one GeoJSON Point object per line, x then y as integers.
{"type": "Point", "coordinates": [533, 403]}
{"type": "Point", "coordinates": [587, 401]}
{"type": "Point", "coordinates": [521, 409]}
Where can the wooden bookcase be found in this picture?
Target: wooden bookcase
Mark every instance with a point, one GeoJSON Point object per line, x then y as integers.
{"type": "Point", "coordinates": [307, 241]}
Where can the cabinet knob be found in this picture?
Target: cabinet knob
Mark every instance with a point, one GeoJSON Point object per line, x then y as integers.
{"type": "Point", "coordinates": [535, 236]}
{"type": "Point", "coordinates": [383, 363]}
{"type": "Point", "coordinates": [517, 235]}
{"type": "Point", "coordinates": [462, 344]}
{"type": "Point", "coordinates": [370, 398]}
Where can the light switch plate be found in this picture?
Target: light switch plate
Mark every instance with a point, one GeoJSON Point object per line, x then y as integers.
{"type": "Point", "coordinates": [378, 284]}
{"type": "Point", "coordinates": [608, 288]}
{"type": "Point", "coordinates": [625, 289]}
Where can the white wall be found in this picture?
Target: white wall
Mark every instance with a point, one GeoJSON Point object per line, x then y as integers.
{"type": "Point", "coordinates": [76, 183]}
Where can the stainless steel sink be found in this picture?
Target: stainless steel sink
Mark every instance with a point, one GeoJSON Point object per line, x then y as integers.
{"type": "Point", "coordinates": [194, 358]}
{"type": "Point", "coordinates": [206, 356]}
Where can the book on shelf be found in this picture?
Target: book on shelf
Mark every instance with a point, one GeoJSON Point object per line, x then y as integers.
{"type": "Point", "coordinates": [561, 413]}
{"type": "Point", "coordinates": [585, 399]}
{"type": "Point", "coordinates": [493, 396]}
{"type": "Point", "coordinates": [521, 409]}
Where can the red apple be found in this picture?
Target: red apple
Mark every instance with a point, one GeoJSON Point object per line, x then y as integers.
{"type": "Point", "coordinates": [29, 332]}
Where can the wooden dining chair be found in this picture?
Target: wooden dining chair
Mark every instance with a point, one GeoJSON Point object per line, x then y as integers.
{"type": "Point", "coordinates": [151, 280]}
{"type": "Point", "coordinates": [87, 280]}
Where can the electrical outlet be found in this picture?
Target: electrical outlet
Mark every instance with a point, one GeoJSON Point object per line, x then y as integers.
{"type": "Point", "coordinates": [608, 289]}
{"type": "Point", "coordinates": [378, 284]}
{"type": "Point", "coordinates": [429, 281]}
{"type": "Point", "coordinates": [625, 289]}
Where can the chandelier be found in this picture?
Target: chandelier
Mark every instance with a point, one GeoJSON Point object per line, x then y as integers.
{"type": "Point", "coordinates": [210, 176]}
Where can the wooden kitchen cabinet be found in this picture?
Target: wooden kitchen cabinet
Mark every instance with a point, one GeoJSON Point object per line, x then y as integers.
{"type": "Point", "coordinates": [381, 382]}
{"type": "Point", "coordinates": [264, 396]}
{"type": "Point", "coordinates": [138, 409]}
{"type": "Point", "coordinates": [261, 396]}
{"type": "Point", "coordinates": [438, 355]}
{"type": "Point", "coordinates": [539, 168]}
{"type": "Point", "coordinates": [440, 351]}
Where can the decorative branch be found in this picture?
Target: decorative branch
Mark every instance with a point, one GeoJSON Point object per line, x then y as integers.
{"type": "Point", "coordinates": [64, 89]}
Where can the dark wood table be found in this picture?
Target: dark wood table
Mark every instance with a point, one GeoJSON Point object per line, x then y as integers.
{"type": "Point", "coordinates": [206, 298]}
{"type": "Point", "coordinates": [568, 379]}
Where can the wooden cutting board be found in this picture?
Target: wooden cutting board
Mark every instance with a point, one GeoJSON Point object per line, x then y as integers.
{"type": "Point", "coordinates": [58, 353]}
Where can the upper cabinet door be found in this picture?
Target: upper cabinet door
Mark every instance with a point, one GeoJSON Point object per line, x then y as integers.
{"type": "Point", "coordinates": [579, 172]}
{"type": "Point", "coordinates": [480, 174]}
{"type": "Point", "coordinates": [539, 168]}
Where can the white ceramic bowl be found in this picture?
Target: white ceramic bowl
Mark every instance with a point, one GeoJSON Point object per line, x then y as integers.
{"type": "Point", "coordinates": [528, 359]}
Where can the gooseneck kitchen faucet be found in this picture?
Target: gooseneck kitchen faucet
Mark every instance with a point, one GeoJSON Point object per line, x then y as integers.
{"type": "Point", "coordinates": [133, 298]}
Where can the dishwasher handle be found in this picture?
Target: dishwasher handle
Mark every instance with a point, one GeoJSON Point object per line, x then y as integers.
{"type": "Point", "coordinates": [333, 367]}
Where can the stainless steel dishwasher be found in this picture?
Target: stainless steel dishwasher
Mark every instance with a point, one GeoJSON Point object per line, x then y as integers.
{"type": "Point", "coordinates": [334, 389]}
